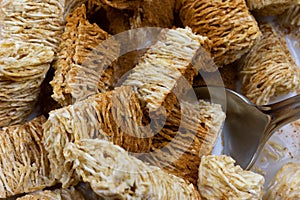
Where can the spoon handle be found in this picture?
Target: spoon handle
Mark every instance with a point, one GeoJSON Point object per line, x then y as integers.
{"type": "Point", "coordinates": [281, 113]}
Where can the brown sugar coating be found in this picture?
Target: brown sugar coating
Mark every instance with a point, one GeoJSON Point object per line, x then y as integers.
{"type": "Point", "coordinates": [220, 21]}
{"type": "Point", "coordinates": [85, 60]}
{"type": "Point", "coordinates": [189, 133]}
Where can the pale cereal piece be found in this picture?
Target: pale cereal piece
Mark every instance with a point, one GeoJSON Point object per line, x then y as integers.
{"type": "Point", "coordinates": [115, 116]}
{"type": "Point", "coordinates": [35, 21]}
{"type": "Point", "coordinates": [24, 164]}
{"type": "Point", "coordinates": [228, 24]}
{"type": "Point", "coordinates": [112, 173]}
{"type": "Point", "coordinates": [85, 60]}
{"type": "Point", "coordinates": [167, 65]}
{"type": "Point", "coordinates": [286, 183]}
{"type": "Point", "coordinates": [154, 14]}
{"type": "Point", "coordinates": [220, 178]}
{"type": "Point", "coordinates": [291, 16]}
{"type": "Point", "coordinates": [23, 67]}
{"type": "Point", "coordinates": [270, 7]}
{"type": "Point", "coordinates": [268, 69]}
{"type": "Point", "coordinates": [21, 61]}
{"type": "Point", "coordinates": [17, 100]}
{"type": "Point", "coordinates": [190, 132]}
{"type": "Point", "coordinates": [65, 194]}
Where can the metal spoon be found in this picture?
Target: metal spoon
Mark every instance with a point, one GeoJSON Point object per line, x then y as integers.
{"type": "Point", "coordinates": [248, 127]}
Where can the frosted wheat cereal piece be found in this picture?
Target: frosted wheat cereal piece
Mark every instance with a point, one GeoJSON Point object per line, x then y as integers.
{"type": "Point", "coordinates": [228, 24]}
{"type": "Point", "coordinates": [290, 19]}
{"type": "Point", "coordinates": [114, 116]}
{"type": "Point", "coordinates": [112, 173]}
{"type": "Point", "coordinates": [85, 60]}
{"type": "Point", "coordinates": [66, 194]}
{"type": "Point", "coordinates": [23, 67]}
{"type": "Point", "coordinates": [286, 184]}
{"type": "Point", "coordinates": [190, 132]}
{"type": "Point", "coordinates": [20, 60]}
{"type": "Point", "coordinates": [24, 163]}
{"type": "Point", "coordinates": [166, 66]}
{"type": "Point", "coordinates": [35, 21]}
{"type": "Point", "coordinates": [17, 100]}
{"type": "Point", "coordinates": [270, 7]}
{"type": "Point", "coordinates": [220, 178]}
{"type": "Point", "coordinates": [291, 16]}
{"type": "Point", "coordinates": [268, 69]}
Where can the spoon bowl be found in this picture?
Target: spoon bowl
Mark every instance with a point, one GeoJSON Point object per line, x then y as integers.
{"type": "Point", "coordinates": [248, 127]}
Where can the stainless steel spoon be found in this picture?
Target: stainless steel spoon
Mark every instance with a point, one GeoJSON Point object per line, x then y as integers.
{"type": "Point", "coordinates": [248, 127]}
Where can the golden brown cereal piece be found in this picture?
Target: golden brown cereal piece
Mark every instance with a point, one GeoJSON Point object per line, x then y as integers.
{"type": "Point", "coordinates": [23, 67]}
{"type": "Point", "coordinates": [270, 7]}
{"type": "Point", "coordinates": [85, 60]}
{"type": "Point", "coordinates": [220, 178]}
{"type": "Point", "coordinates": [113, 173]}
{"type": "Point", "coordinates": [35, 21]}
{"type": "Point", "coordinates": [65, 194]}
{"type": "Point", "coordinates": [286, 183]}
{"type": "Point", "coordinates": [115, 116]}
{"type": "Point", "coordinates": [166, 66]}
{"type": "Point", "coordinates": [24, 163]}
{"type": "Point", "coordinates": [189, 133]}
{"type": "Point", "coordinates": [228, 24]}
{"type": "Point", "coordinates": [268, 69]}
{"type": "Point", "coordinates": [291, 16]}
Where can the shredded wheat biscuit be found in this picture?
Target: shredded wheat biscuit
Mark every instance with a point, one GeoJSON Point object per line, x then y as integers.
{"type": "Point", "coordinates": [58, 194]}
{"type": "Point", "coordinates": [24, 164]}
{"type": "Point", "coordinates": [115, 116]}
{"type": "Point", "coordinates": [190, 132]}
{"type": "Point", "coordinates": [268, 69]}
{"type": "Point", "coordinates": [291, 16]}
{"type": "Point", "coordinates": [286, 183]}
{"type": "Point", "coordinates": [23, 67]}
{"type": "Point", "coordinates": [85, 62]}
{"type": "Point", "coordinates": [114, 174]}
{"type": "Point", "coordinates": [228, 24]}
{"type": "Point", "coordinates": [35, 21]}
{"type": "Point", "coordinates": [219, 178]}
{"type": "Point", "coordinates": [165, 66]}
{"type": "Point", "coordinates": [270, 7]}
